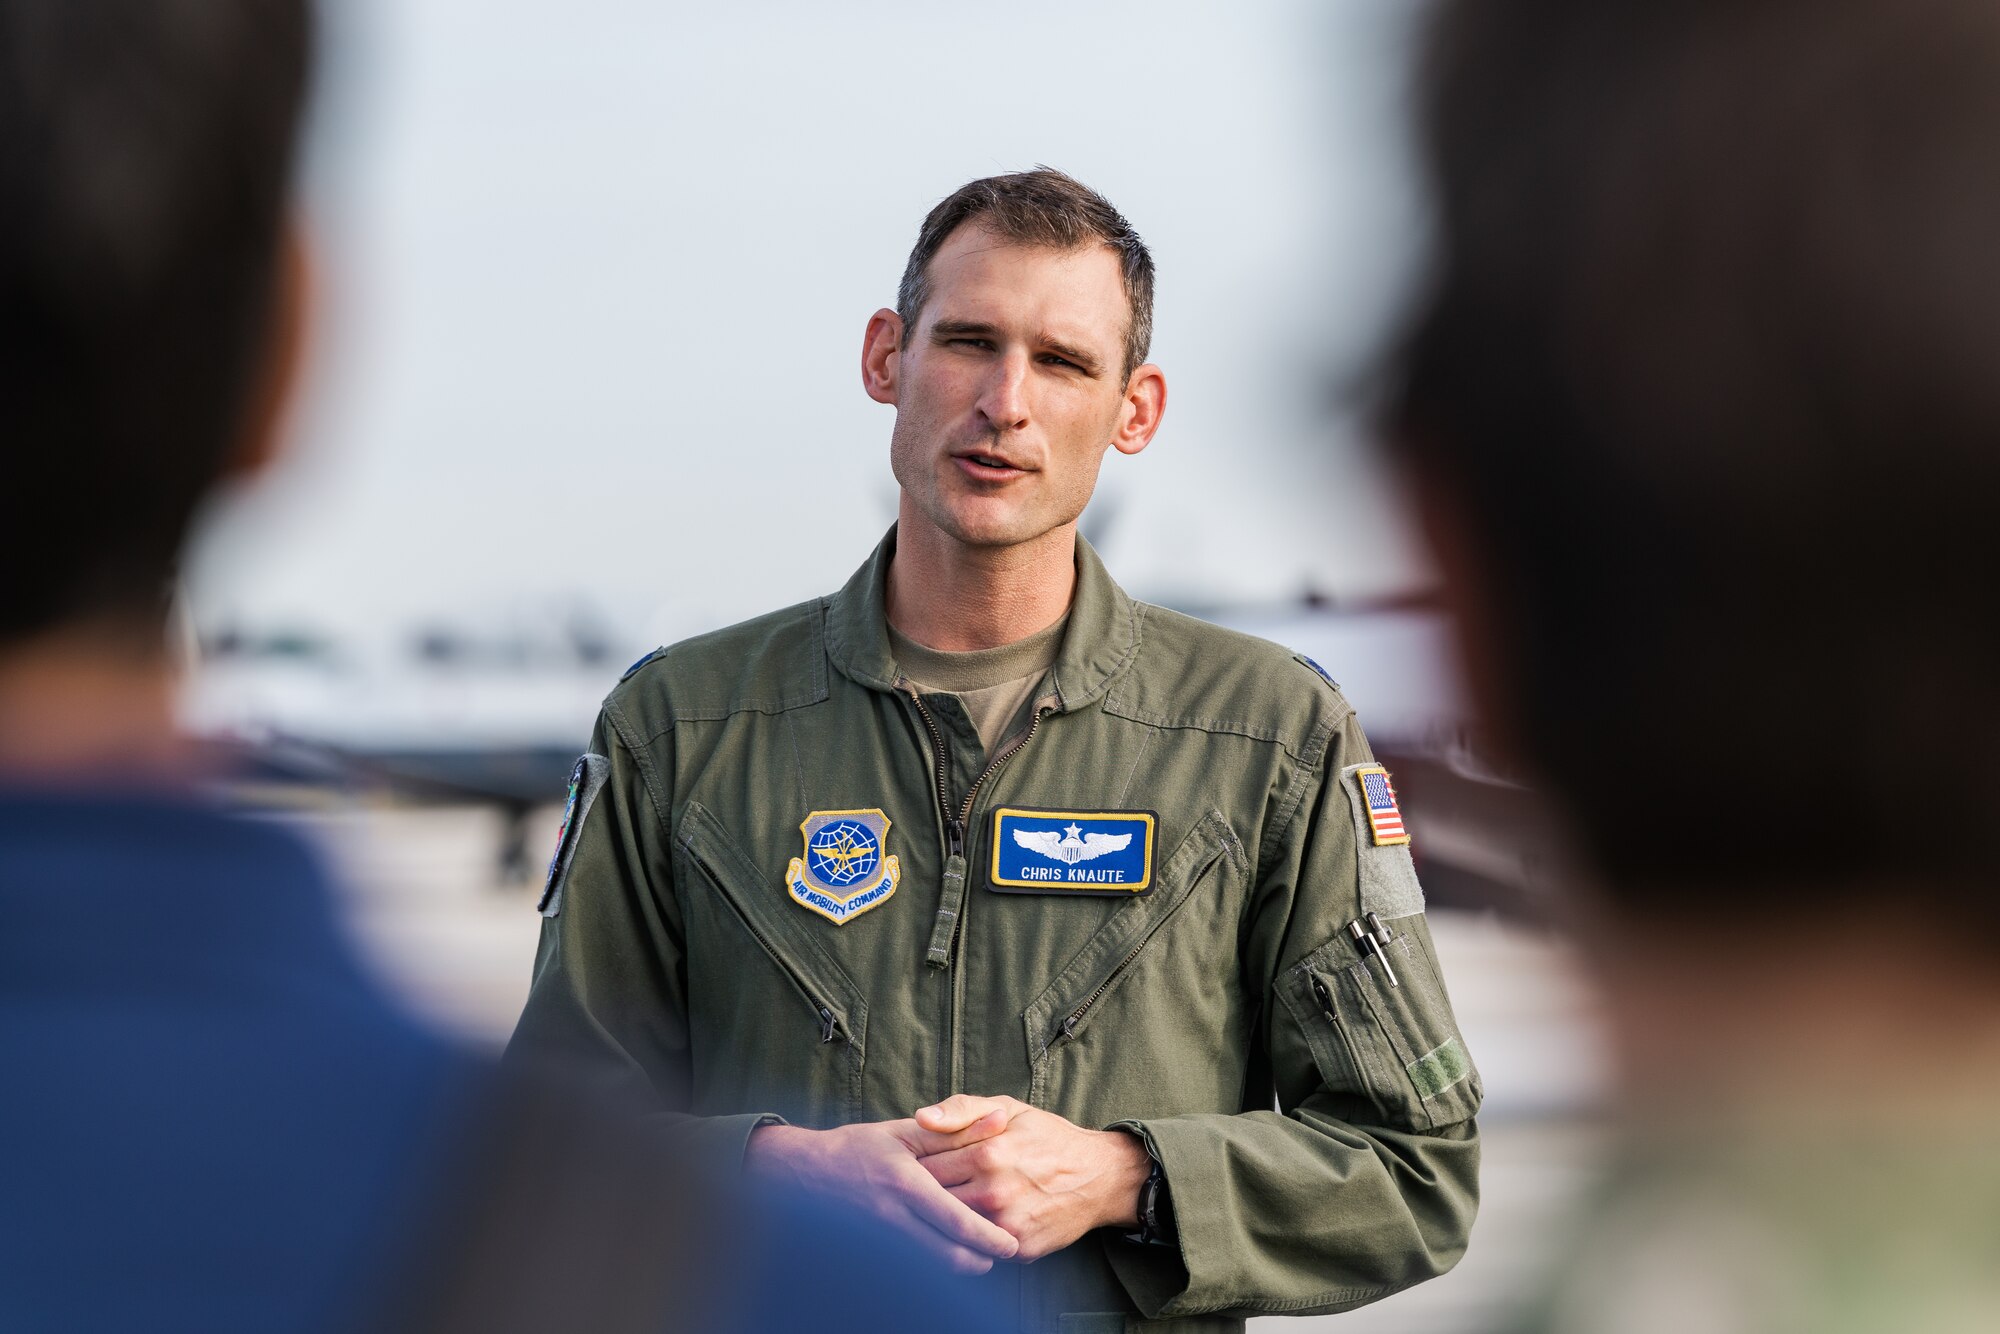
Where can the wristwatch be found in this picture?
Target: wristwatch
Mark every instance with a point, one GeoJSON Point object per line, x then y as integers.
{"type": "Point", "coordinates": [1156, 1211]}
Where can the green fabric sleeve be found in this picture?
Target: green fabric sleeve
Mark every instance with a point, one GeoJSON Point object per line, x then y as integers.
{"type": "Point", "coordinates": [607, 1006]}
{"type": "Point", "coordinates": [1363, 1178]}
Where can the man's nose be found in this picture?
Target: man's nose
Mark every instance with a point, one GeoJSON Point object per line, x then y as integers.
{"type": "Point", "coordinates": [1004, 399]}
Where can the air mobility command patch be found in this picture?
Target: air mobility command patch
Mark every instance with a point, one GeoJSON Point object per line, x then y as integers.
{"type": "Point", "coordinates": [845, 870]}
{"type": "Point", "coordinates": [586, 777]}
{"type": "Point", "coordinates": [1385, 818]}
{"type": "Point", "coordinates": [1073, 852]}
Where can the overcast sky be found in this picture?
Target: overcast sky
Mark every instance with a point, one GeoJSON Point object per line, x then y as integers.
{"type": "Point", "coordinates": [595, 275]}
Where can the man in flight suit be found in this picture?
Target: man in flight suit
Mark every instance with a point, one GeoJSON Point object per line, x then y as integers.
{"type": "Point", "coordinates": [1055, 927]}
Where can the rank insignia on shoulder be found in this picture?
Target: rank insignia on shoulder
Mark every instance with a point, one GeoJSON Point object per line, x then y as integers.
{"type": "Point", "coordinates": [641, 663]}
{"type": "Point", "coordinates": [1073, 852]}
{"type": "Point", "coordinates": [586, 776]}
{"type": "Point", "coordinates": [1317, 670]}
{"type": "Point", "coordinates": [1385, 818]}
{"type": "Point", "coordinates": [845, 870]}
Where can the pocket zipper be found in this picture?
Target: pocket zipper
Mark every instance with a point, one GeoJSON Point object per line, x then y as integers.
{"type": "Point", "coordinates": [830, 1026]}
{"type": "Point", "coordinates": [1324, 995]}
{"type": "Point", "coordinates": [1066, 1030]}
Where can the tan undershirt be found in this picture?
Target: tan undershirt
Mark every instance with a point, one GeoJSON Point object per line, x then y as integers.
{"type": "Point", "coordinates": [994, 684]}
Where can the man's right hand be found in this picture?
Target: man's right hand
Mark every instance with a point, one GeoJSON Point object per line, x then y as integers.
{"type": "Point", "coordinates": [873, 1166]}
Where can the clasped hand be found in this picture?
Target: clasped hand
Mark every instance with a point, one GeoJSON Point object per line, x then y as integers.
{"type": "Point", "coordinates": [973, 1179]}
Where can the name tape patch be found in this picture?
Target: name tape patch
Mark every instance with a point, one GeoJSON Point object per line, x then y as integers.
{"type": "Point", "coordinates": [1073, 852]}
{"type": "Point", "coordinates": [1385, 818]}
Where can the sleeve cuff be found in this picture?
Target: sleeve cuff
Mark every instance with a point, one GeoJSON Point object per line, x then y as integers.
{"type": "Point", "coordinates": [714, 1148]}
{"type": "Point", "coordinates": [1153, 1274]}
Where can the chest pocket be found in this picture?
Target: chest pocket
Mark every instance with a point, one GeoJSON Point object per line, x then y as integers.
{"type": "Point", "coordinates": [1057, 1019]}
{"type": "Point", "coordinates": [785, 1033]}
{"type": "Point", "coordinates": [1396, 1045]}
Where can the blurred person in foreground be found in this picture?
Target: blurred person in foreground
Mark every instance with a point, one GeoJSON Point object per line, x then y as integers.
{"type": "Point", "coordinates": [1703, 413]}
{"type": "Point", "coordinates": [214, 1121]}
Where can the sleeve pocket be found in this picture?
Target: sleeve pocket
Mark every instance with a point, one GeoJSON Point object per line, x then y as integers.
{"type": "Point", "coordinates": [1399, 1044]}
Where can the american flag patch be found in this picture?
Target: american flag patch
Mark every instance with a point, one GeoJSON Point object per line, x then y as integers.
{"type": "Point", "coordinates": [1385, 818]}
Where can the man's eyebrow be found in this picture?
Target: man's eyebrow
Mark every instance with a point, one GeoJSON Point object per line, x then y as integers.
{"type": "Point", "coordinates": [1084, 360]}
{"type": "Point", "coordinates": [960, 328]}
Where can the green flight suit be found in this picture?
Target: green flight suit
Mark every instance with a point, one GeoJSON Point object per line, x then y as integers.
{"type": "Point", "coordinates": [1314, 1122]}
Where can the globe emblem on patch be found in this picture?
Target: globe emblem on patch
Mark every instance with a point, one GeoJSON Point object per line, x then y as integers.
{"type": "Point", "coordinates": [844, 854]}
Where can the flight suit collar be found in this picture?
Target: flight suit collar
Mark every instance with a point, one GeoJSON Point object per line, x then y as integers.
{"type": "Point", "coordinates": [1102, 641]}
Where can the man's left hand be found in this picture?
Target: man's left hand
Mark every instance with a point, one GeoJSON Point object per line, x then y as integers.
{"type": "Point", "coordinates": [1042, 1178]}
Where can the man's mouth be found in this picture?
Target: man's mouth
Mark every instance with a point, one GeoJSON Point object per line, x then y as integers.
{"type": "Point", "coordinates": [981, 462]}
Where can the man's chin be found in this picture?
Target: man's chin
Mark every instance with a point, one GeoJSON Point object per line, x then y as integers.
{"type": "Point", "coordinates": [989, 522]}
{"type": "Point", "coordinates": [991, 532]}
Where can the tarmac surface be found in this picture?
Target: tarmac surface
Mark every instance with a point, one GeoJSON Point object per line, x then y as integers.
{"type": "Point", "coordinates": [426, 902]}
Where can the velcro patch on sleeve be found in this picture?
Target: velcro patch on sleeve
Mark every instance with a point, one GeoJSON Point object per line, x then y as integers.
{"type": "Point", "coordinates": [1437, 1070]}
{"type": "Point", "coordinates": [586, 778]}
{"type": "Point", "coordinates": [1388, 876]}
{"type": "Point", "coordinates": [1073, 852]}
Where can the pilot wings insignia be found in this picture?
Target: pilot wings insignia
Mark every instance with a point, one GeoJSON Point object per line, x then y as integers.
{"type": "Point", "coordinates": [1073, 845]}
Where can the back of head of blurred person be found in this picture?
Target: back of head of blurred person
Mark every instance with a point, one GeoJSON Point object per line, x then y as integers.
{"type": "Point", "coordinates": [216, 1120]}
{"type": "Point", "coordinates": [1703, 412]}
{"type": "Point", "coordinates": [150, 307]}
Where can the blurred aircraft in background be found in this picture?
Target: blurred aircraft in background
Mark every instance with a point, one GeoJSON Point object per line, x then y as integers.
{"type": "Point", "coordinates": [446, 716]}
{"type": "Point", "coordinates": [496, 717]}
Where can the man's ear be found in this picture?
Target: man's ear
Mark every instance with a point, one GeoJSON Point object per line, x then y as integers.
{"type": "Point", "coordinates": [881, 355]}
{"type": "Point", "coordinates": [1139, 416]}
{"type": "Point", "coordinates": [281, 359]}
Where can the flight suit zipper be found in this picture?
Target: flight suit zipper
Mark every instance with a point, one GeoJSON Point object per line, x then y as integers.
{"type": "Point", "coordinates": [955, 822]}
{"type": "Point", "coordinates": [952, 901]}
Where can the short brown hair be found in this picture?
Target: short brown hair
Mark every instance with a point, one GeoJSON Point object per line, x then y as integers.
{"type": "Point", "coordinates": [1043, 207]}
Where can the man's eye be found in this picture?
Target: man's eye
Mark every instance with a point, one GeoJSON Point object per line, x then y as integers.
{"type": "Point", "coordinates": [965, 342]}
{"type": "Point", "coordinates": [1055, 360]}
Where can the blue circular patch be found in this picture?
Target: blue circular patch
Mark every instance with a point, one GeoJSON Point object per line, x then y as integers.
{"type": "Point", "coordinates": [844, 853]}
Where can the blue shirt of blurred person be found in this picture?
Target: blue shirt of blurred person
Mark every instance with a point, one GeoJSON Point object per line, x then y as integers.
{"type": "Point", "coordinates": [215, 1120]}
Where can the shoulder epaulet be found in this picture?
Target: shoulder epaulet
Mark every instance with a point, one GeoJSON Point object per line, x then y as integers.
{"type": "Point", "coordinates": [642, 662]}
{"type": "Point", "coordinates": [1316, 669]}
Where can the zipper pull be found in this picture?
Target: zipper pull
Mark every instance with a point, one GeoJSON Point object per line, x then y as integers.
{"type": "Point", "coordinates": [954, 832]}
{"type": "Point", "coordinates": [827, 1025]}
{"type": "Point", "coordinates": [1325, 999]}
{"type": "Point", "coordinates": [951, 898]}
{"type": "Point", "coordinates": [1065, 1032]}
